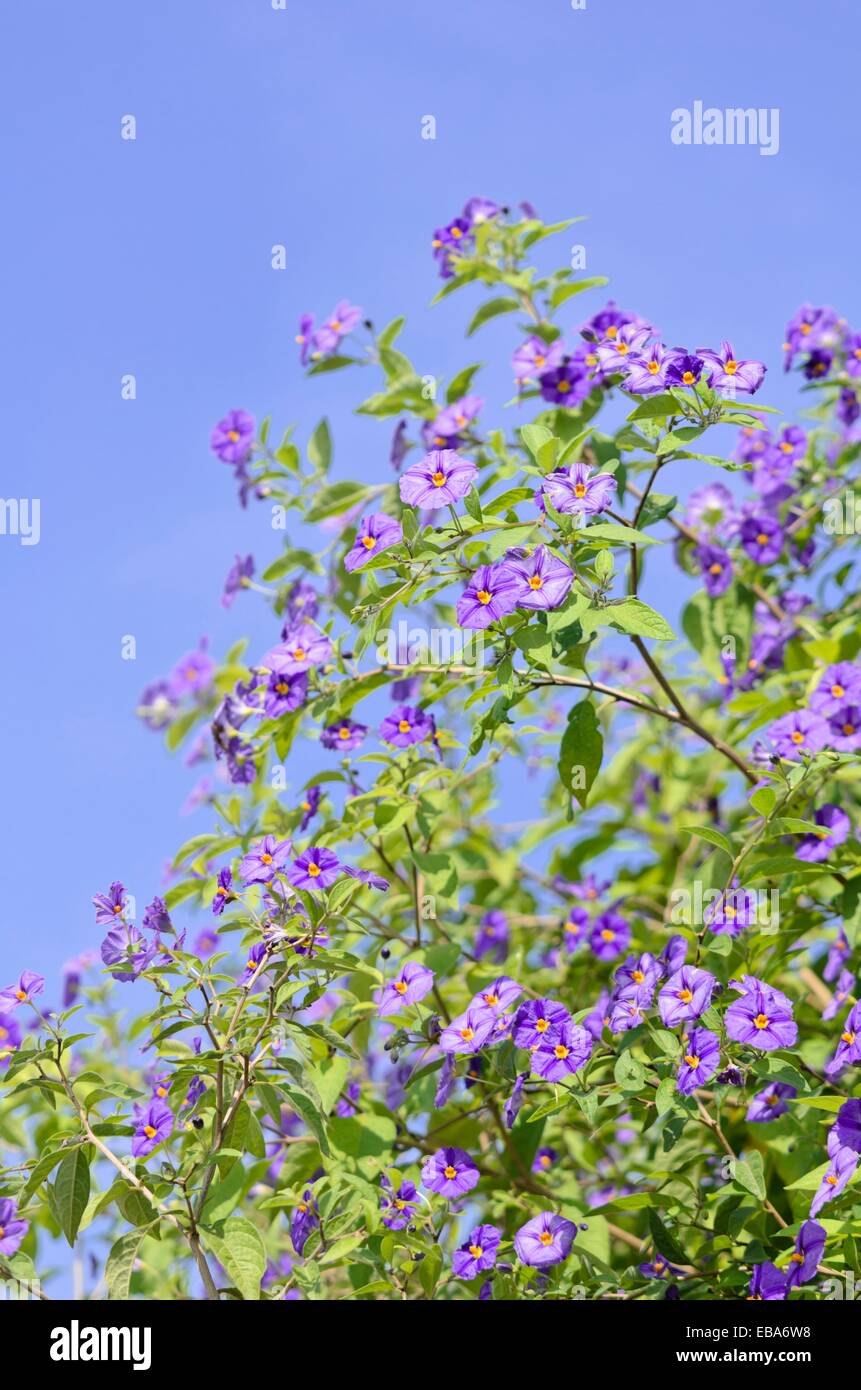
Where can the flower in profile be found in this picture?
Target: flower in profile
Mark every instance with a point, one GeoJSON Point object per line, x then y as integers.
{"type": "Point", "coordinates": [835, 826]}
{"type": "Point", "coordinates": [126, 946]}
{"type": "Point", "coordinates": [809, 1249]}
{"type": "Point", "coordinates": [283, 693]}
{"type": "Point", "coordinates": [238, 577]}
{"type": "Point", "coordinates": [716, 568]}
{"type": "Point", "coordinates": [406, 725]}
{"type": "Point", "coordinates": [842, 990]}
{"type": "Point", "coordinates": [478, 1252]}
{"type": "Point", "coordinates": [514, 1101]}
{"type": "Point", "coordinates": [309, 806]}
{"type": "Point", "coordinates": [802, 731]}
{"type": "Point", "coordinates": [13, 1228]}
{"type": "Point", "coordinates": [658, 1268]}
{"type": "Point", "coordinates": [672, 958]}
{"type": "Point", "coordinates": [223, 893]}
{"type": "Point", "coordinates": [302, 647]}
{"type": "Point", "coordinates": [770, 1103]}
{"type": "Point", "coordinates": [304, 1220]}
{"type": "Point", "coordinates": [767, 1282]}
{"type": "Point", "coordinates": [579, 489]}
{"type": "Point", "coordinates": [26, 986]}
{"type": "Point", "coordinates": [314, 870]}
{"type": "Point", "coordinates": [762, 1020]}
{"type": "Point", "coordinates": [455, 418]}
{"type": "Point", "coordinates": [255, 958]}
{"type": "Point", "coordinates": [534, 357]}
{"type": "Point", "coordinates": [367, 877]}
{"type": "Point", "coordinates": [376, 534]}
{"type": "Point", "coordinates": [342, 320]}
{"type": "Point", "coordinates": [397, 1205]}
{"type": "Point", "coordinates": [410, 985]}
{"type": "Point", "coordinates": [468, 1032]}
{"type": "Point", "coordinates": [439, 479]}
{"type": "Point", "coordinates": [110, 906]}
{"type": "Point", "coordinates": [539, 1020]}
{"type": "Point", "coordinates": [450, 1172]}
{"type": "Point", "coordinates": [761, 538]}
{"type": "Point", "coordinates": [842, 1162]}
{"type": "Point", "coordinates": [848, 1123]}
{"type": "Point", "coordinates": [844, 729]}
{"type": "Point", "coordinates": [838, 953]}
{"type": "Point", "coordinates": [265, 860]}
{"type": "Point", "coordinates": [345, 735]}
{"type": "Point", "coordinates": [231, 439]}
{"type": "Point", "coordinates": [685, 996]}
{"type": "Point", "coordinates": [10, 1038]}
{"type": "Point", "coordinates": [492, 936]}
{"type": "Point", "coordinates": [541, 580]}
{"type": "Point", "coordinates": [562, 1052]}
{"type": "Point", "coordinates": [490, 596]}
{"type": "Point", "coordinates": [730, 373]}
{"type": "Point", "coordinates": [545, 1240]}
{"type": "Point", "coordinates": [610, 936]}
{"type": "Point", "coordinates": [575, 929]}
{"type": "Point", "coordinates": [153, 1125]}
{"type": "Point", "coordinates": [700, 1061]}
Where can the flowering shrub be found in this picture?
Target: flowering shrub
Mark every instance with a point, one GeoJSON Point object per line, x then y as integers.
{"type": "Point", "coordinates": [412, 1049]}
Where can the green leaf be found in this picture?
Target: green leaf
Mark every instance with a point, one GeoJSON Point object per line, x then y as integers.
{"type": "Point", "coordinates": [238, 1246]}
{"type": "Point", "coordinates": [581, 751]}
{"type": "Point", "coordinates": [310, 1114]}
{"type": "Point", "coordinates": [491, 310]}
{"type": "Point", "coordinates": [629, 1073]}
{"type": "Point", "coordinates": [634, 616]}
{"type": "Point", "coordinates": [120, 1264]}
{"type": "Point", "coordinates": [616, 535]}
{"type": "Point", "coordinates": [363, 1136]}
{"type": "Point", "coordinates": [71, 1191]}
{"type": "Point", "coordinates": [567, 291]}
{"type": "Point", "coordinates": [39, 1172]}
{"type": "Point", "coordinates": [749, 1174]}
{"type": "Point", "coordinates": [534, 436]}
{"type": "Point", "coordinates": [320, 447]}
{"type": "Point", "coordinates": [714, 837]}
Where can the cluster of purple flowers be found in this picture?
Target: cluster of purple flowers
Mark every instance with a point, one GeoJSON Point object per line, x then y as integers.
{"type": "Point", "coordinates": [457, 238]}
{"type": "Point", "coordinates": [325, 339]}
{"type": "Point", "coordinates": [832, 720]}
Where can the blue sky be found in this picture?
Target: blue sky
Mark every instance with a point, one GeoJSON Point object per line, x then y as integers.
{"type": "Point", "coordinates": [152, 257]}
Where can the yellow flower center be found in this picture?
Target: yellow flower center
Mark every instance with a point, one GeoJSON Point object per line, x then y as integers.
{"type": "Point", "coordinates": [344, 732]}
{"type": "Point", "coordinates": [450, 1172]}
{"type": "Point", "coordinates": [637, 976]}
{"type": "Point", "coordinates": [541, 1025]}
{"type": "Point", "coordinates": [693, 1062]}
{"type": "Point", "coordinates": [438, 478]}
{"type": "Point", "coordinates": [233, 436]}
{"type": "Point", "coordinates": [731, 367]}
{"type": "Point", "coordinates": [161, 1091]}
{"type": "Point", "coordinates": [149, 1131]}
{"type": "Point", "coordinates": [760, 1022]}
{"type": "Point", "coordinates": [762, 538]}
{"type": "Point", "coordinates": [831, 1178]}
{"type": "Point", "coordinates": [369, 542]}
{"type": "Point", "coordinates": [848, 729]}
{"type": "Point", "coordinates": [546, 1238]}
{"type": "Point", "coordinates": [560, 1051]}
{"type": "Point", "coordinates": [715, 568]}
{"type": "Point", "coordinates": [685, 996]}
{"type": "Point", "coordinates": [484, 596]}
{"type": "Point", "coordinates": [688, 378]}
{"type": "Point", "coordinates": [314, 870]}
{"type": "Point", "coordinates": [21, 996]}
{"type": "Point", "coordinates": [265, 858]}
{"type": "Point", "coordinates": [535, 582]}
{"type": "Point", "coordinates": [847, 1037]}
{"type": "Point", "coordinates": [492, 1000]}
{"type": "Point", "coordinates": [563, 387]}
{"type": "Point", "coordinates": [608, 934]}
{"type": "Point", "coordinates": [579, 489]}
{"type": "Point", "coordinates": [476, 1252]}
{"type": "Point", "coordinates": [652, 367]}
{"type": "Point", "coordinates": [298, 653]}
{"type": "Point", "coordinates": [467, 1034]}
{"type": "Point", "coordinates": [282, 688]}
{"type": "Point", "coordinates": [400, 986]}
{"type": "Point", "coordinates": [404, 726]}
{"type": "Point", "coordinates": [837, 691]}
{"type": "Point", "coordinates": [797, 736]}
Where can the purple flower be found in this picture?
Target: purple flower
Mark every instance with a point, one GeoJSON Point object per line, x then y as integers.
{"type": "Point", "coordinates": [345, 735]}
{"type": "Point", "coordinates": [731, 912]}
{"type": "Point", "coordinates": [838, 686]}
{"type": "Point", "coordinates": [10, 1038]}
{"type": "Point", "coordinates": [205, 942]}
{"type": "Point", "coordinates": [729, 373]}
{"type": "Point", "coordinates": [542, 580]}
{"type": "Point", "coordinates": [545, 1240]}
{"type": "Point", "coordinates": [13, 1228]}
{"type": "Point", "coordinates": [672, 958]}
{"type": "Point", "coordinates": [797, 733]}
{"type": "Point", "coordinates": [153, 1125]}
{"type": "Point", "coordinates": [303, 646]}
{"type": "Point", "coordinates": [848, 1124]}
{"type": "Point", "coordinates": [842, 990]}
{"type": "Point", "coordinates": [534, 357]}
{"type": "Point", "coordinates": [849, 1047]}
{"type": "Point", "coordinates": [490, 596]}
{"type": "Point", "coordinates": [231, 439]}
{"type": "Point", "coordinates": [576, 490]}
{"type": "Point", "coordinates": [492, 937]}
{"type": "Point", "coordinates": [468, 1032]}
{"type": "Point", "coordinates": [539, 1020]}
{"type": "Point", "coordinates": [409, 986]}
{"type": "Point", "coordinates": [284, 693]}
{"type": "Point", "coordinates": [627, 1009]}
{"type": "Point", "coordinates": [762, 538]}
{"type": "Point", "coordinates": [762, 1020]}
{"type": "Point", "coordinates": [406, 725]}
{"type": "Point", "coordinates": [639, 972]}
{"type": "Point", "coordinates": [615, 353]}
{"type": "Point", "coordinates": [685, 996]}
{"type": "Point", "coordinates": [376, 533]}
{"type": "Point", "coordinates": [836, 956]}
{"type": "Point", "coordinates": [238, 576]}
{"type": "Point", "coordinates": [302, 602]}
{"type": "Point", "coordinates": [514, 1103]}
{"type": "Point", "coordinates": [456, 417]}
{"type": "Point", "coordinates": [477, 1253]}
{"type": "Point", "coordinates": [309, 806]}
{"type": "Point", "coordinates": [397, 1205]}
{"type": "Point", "coordinates": [126, 946]}
{"type": "Point", "coordinates": [303, 1221]}
{"type": "Point", "coordinates": [844, 729]}
{"type": "Point", "coordinates": [842, 1163]}
{"type": "Point", "coordinates": [566, 385]}
{"type": "Point", "coordinates": [314, 870]}
{"type": "Point", "coordinates": [767, 1282]}
{"type": "Point", "coordinates": [110, 906]}
{"type": "Point", "coordinates": [815, 848]}
{"type": "Point", "coordinates": [563, 1053]}
{"type": "Point", "coordinates": [367, 877]}
{"type": "Point", "coordinates": [450, 1172]}
{"type": "Point", "coordinates": [439, 479]}
{"type": "Point", "coordinates": [343, 319]}
{"type": "Point", "coordinates": [265, 860]}
{"type": "Point", "coordinates": [685, 368]}
{"type": "Point", "coordinates": [809, 1249]}
{"type": "Point", "coordinates": [658, 1268]}
{"type": "Point", "coordinates": [647, 370]}
{"type": "Point", "coordinates": [257, 954]}
{"type": "Point", "coordinates": [770, 1103]}
{"type": "Point", "coordinates": [700, 1062]}
{"type": "Point", "coordinates": [716, 568]}
{"type": "Point", "coordinates": [27, 985]}
{"type": "Point", "coordinates": [223, 892]}
{"type": "Point", "coordinates": [610, 936]}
